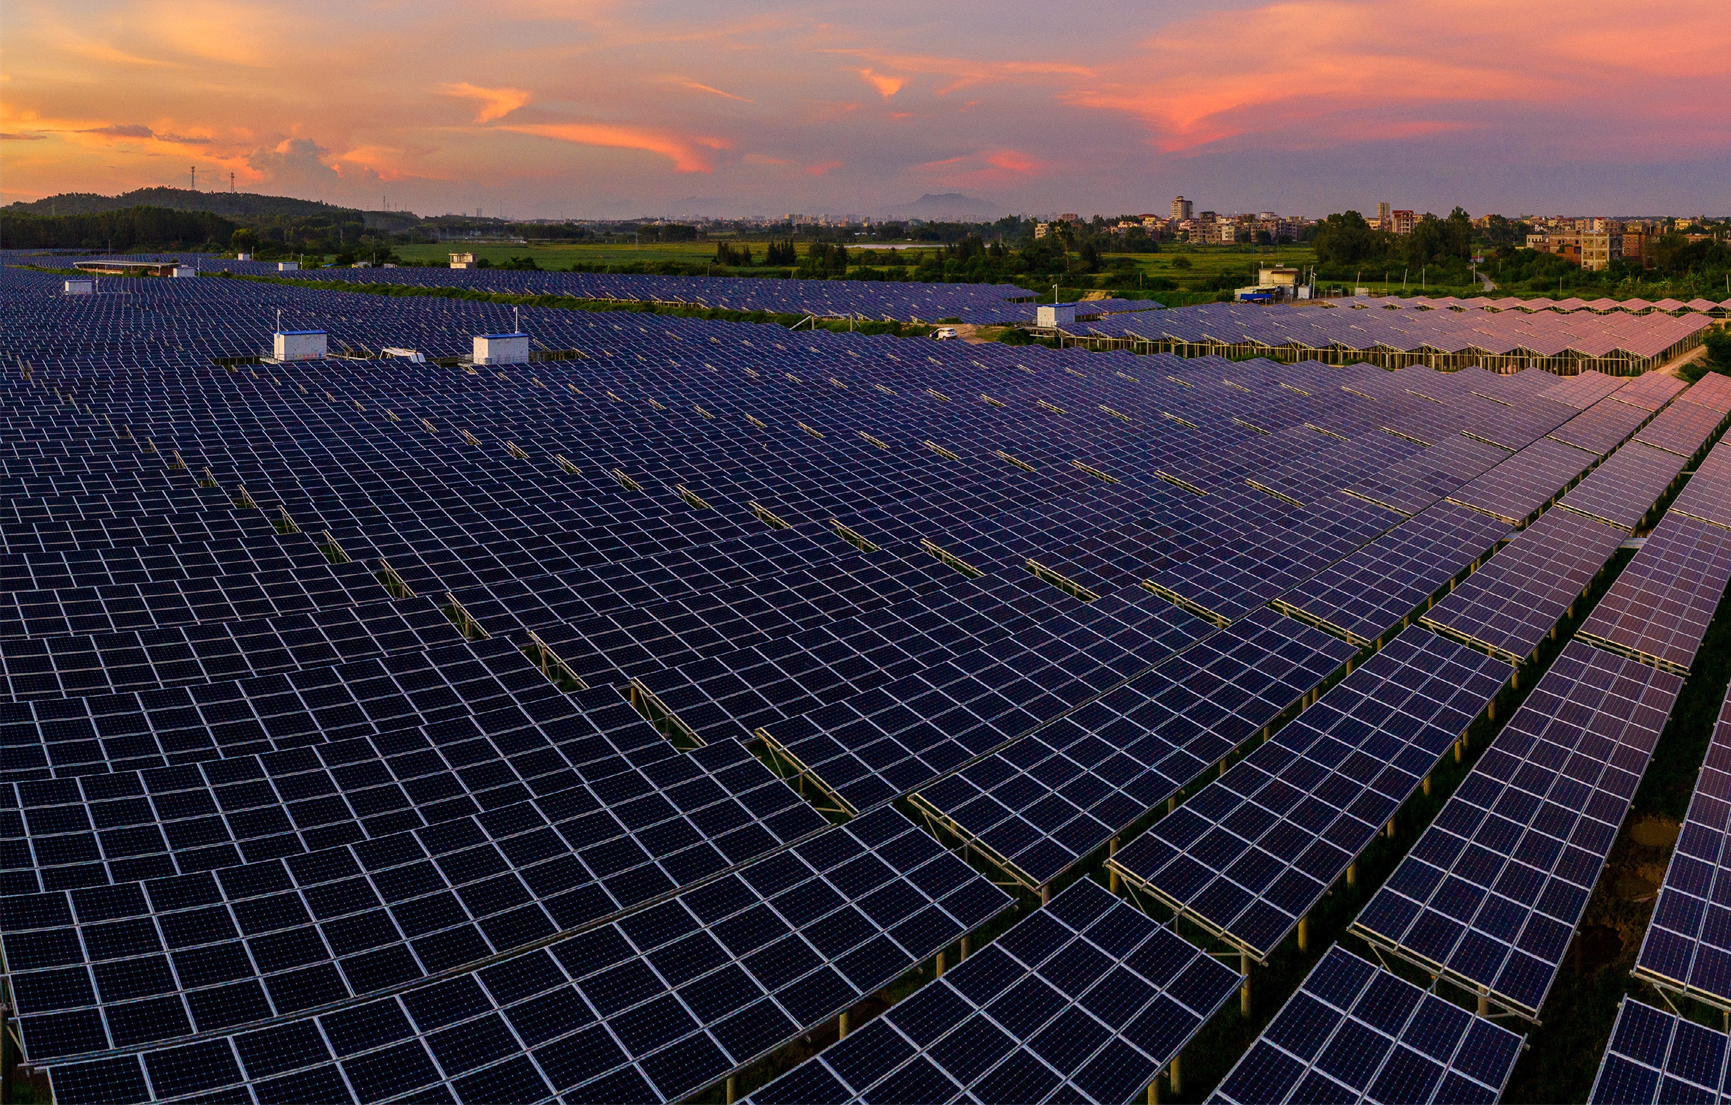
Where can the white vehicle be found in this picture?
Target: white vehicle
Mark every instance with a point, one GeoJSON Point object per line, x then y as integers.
{"type": "Point", "coordinates": [945, 333]}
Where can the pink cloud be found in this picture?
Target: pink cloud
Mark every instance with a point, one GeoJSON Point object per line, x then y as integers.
{"type": "Point", "coordinates": [886, 85]}
{"type": "Point", "coordinates": [986, 167]}
{"type": "Point", "coordinates": [1013, 161]}
{"type": "Point", "coordinates": [695, 87]}
{"type": "Point", "coordinates": [1300, 70]}
{"type": "Point", "coordinates": [687, 154]}
{"type": "Point", "coordinates": [496, 103]}
{"type": "Point", "coordinates": [822, 168]}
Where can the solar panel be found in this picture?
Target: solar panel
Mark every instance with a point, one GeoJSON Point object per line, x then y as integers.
{"type": "Point", "coordinates": [1085, 1000]}
{"type": "Point", "coordinates": [1684, 428]}
{"type": "Point", "coordinates": [344, 922]}
{"type": "Point", "coordinates": [1492, 891]}
{"type": "Point", "coordinates": [1377, 588]}
{"type": "Point", "coordinates": [653, 1006]}
{"type": "Point", "coordinates": [1524, 484]}
{"type": "Point", "coordinates": [1601, 427]}
{"type": "Point", "coordinates": [1250, 855]}
{"type": "Point", "coordinates": [1046, 801]}
{"type": "Point", "coordinates": [869, 749]}
{"type": "Point", "coordinates": [1708, 493]}
{"type": "Point", "coordinates": [1659, 608]}
{"type": "Point", "coordinates": [1356, 1033]}
{"type": "Point", "coordinates": [1654, 1055]}
{"type": "Point", "coordinates": [1622, 491]}
{"type": "Point", "coordinates": [1685, 948]}
{"type": "Point", "coordinates": [1509, 605]}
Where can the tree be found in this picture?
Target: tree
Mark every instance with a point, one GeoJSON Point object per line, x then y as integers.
{"type": "Point", "coordinates": [1505, 232]}
{"type": "Point", "coordinates": [1346, 239]}
{"type": "Point", "coordinates": [1718, 342]}
{"type": "Point", "coordinates": [824, 259]}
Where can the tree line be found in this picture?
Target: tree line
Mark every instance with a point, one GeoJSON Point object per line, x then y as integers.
{"type": "Point", "coordinates": [130, 229]}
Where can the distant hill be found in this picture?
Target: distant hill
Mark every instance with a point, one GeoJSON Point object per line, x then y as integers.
{"type": "Point", "coordinates": [947, 207]}
{"type": "Point", "coordinates": [240, 206]}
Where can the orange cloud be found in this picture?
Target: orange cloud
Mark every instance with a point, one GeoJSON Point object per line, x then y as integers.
{"type": "Point", "coordinates": [695, 87]}
{"type": "Point", "coordinates": [986, 167]}
{"type": "Point", "coordinates": [1013, 161]}
{"type": "Point", "coordinates": [822, 168]}
{"type": "Point", "coordinates": [887, 86]}
{"type": "Point", "coordinates": [1358, 70]}
{"type": "Point", "coordinates": [685, 153]}
{"type": "Point", "coordinates": [496, 103]}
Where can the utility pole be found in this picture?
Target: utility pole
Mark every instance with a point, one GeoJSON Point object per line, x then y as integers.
{"type": "Point", "coordinates": [195, 178]}
{"type": "Point", "coordinates": [231, 182]}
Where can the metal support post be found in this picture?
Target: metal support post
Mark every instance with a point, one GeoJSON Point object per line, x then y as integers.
{"type": "Point", "coordinates": [1244, 990]}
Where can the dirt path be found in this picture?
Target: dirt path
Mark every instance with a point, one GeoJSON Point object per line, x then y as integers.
{"type": "Point", "coordinates": [1674, 367]}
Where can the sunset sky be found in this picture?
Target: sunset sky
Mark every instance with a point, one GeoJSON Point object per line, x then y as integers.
{"type": "Point", "coordinates": [588, 108]}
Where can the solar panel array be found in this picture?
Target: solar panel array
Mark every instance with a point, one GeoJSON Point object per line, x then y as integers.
{"type": "Point", "coordinates": [1355, 1032]}
{"type": "Point", "coordinates": [1654, 1056]}
{"type": "Point", "coordinates": [1509, 605]}
{"type": "Point", "coordinates": [1373, 591]}
{"type": "Point", "coordinates": [1491, 893]}
{"type": "Point", "coordinates": [654, 1006]}
{"type": "Point", "coordinates": [1472, 331]}
{"type": "Point", "coordinates": [1634, 305]}
{"type": "Point", "coordinates": [865, 299]}
{"type": "Point", "coordinates": [1685, 948]}
{"type": "Point", "coordinates": [1659, 608]}
{"type": "Point", "coordinates": [1085, 1000]}
{"type": "Point", "coordinates": [1515, 491]}
{"type": "Point", "coordinates": [1038, 807]}
{"type": "Point", "coordinates": [359, 708]}
{"type": "Point", "coordinates": [1250, 855]}
{"type": "Point", "coordinates": [1622, 491]}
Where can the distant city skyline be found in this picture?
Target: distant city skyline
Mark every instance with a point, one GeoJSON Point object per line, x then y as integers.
{"type": "Point", "coordinates": [612, 109]}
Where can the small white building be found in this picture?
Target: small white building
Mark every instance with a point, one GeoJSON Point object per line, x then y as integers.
{"type": "Point", "coordinates": [1049, 315]}
{"type": "Point", "coordinates": [299, 345]}
{"type": "Point", "coordinates": [462, 260]}
{"type": "Point", "coordinates": [501, 348]}
{"type": "Point", "coordinates": [1277, 276]}
{"type": "Point", "coordinates": [243, 257]}
{"type": "Point", "coordinates": [79, 287]}
{"type": "Point", "coordinates": [288, 266]}
{"type": "Point", "coordinates": [184, 271]}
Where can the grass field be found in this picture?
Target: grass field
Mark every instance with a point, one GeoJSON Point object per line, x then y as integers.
{"type": "Point", "coordinates": [1194, 269]}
